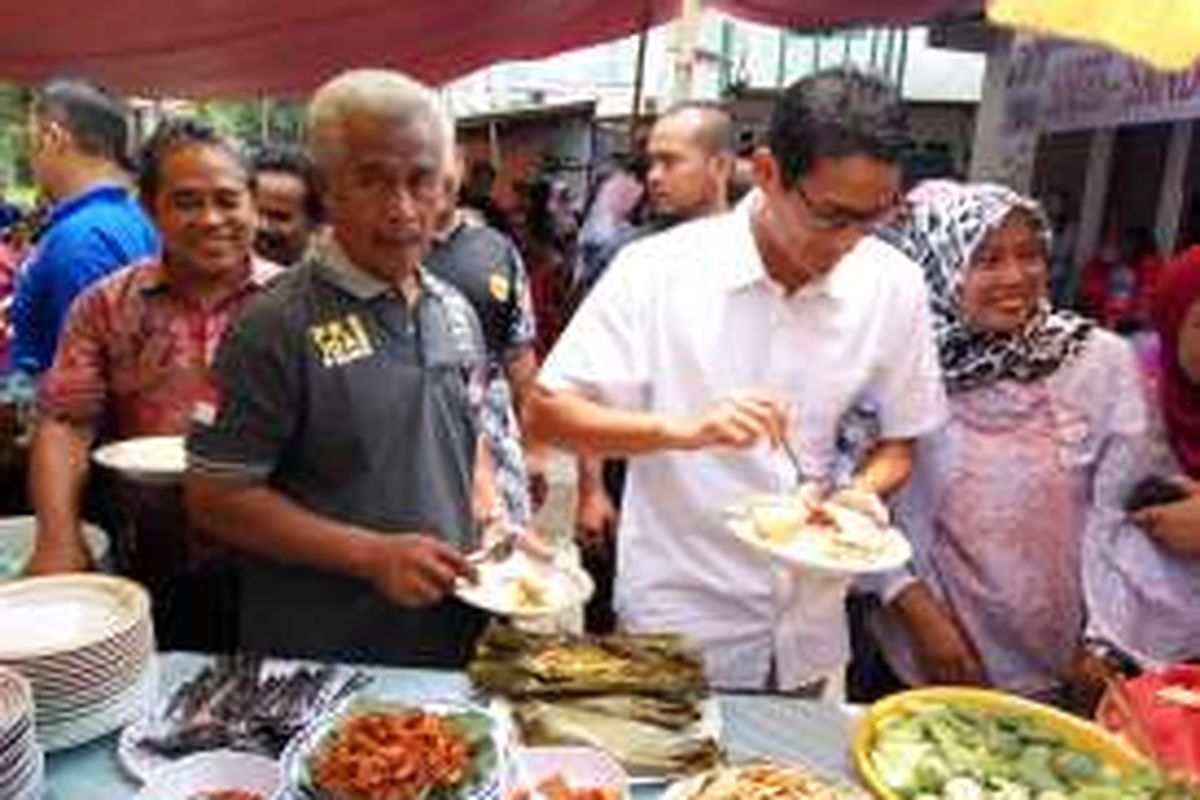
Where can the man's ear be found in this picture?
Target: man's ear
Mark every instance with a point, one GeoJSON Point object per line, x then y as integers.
{"type": "Point", "coordinates": [149, 204]}
{"type": "Point", "coordinates": [53, 136]}
{"type": "Point", "coordinates": [722, 167]}
{"type": "Point", "coordinates": [765, 168]}
{"type": "Point", "coordinates": [320, 185]}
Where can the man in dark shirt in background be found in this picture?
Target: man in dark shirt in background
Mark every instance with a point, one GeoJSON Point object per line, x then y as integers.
{"type": "Point", "coordinates": [288, 203]}
{"type": "Point", "coordinates": [485, 266]}
{"type": "Point", "coordinates": [476, 194]}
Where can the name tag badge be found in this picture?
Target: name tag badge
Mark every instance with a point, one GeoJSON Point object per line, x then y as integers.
{"type": "Point", "coordinates": [204, 414]}
{"type": "Point", "coordinates": [342, 341]}
{"type": "Point", "coordinates": [207, 407]}
{"type": "Point", "coordinates": [1074, 432]}
{"type": "Point", "coordinates": [1074, 435]}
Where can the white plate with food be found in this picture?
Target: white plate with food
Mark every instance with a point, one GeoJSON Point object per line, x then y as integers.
{"type": "Point", "coordinates": [818, 537]}
{"type": "Point", "coordinates": [761, 781]}
{"type": "Point", "coordinates": [146, 459]}
{"type": "Point", "coordinates": [524, 585]}
{"type": "Point", "coordinates": [219, 775]}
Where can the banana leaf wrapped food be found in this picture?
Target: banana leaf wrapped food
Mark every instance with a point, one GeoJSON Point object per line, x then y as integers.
{"type": "Point", "coordinates": [649, 736]}
{"type": "Point", "coordinates": [516, 664]}
{"type": "Point", "coordinates": [638, 697]}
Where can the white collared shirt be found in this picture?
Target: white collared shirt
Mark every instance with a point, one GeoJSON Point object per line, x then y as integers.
{"type": "Point", "coordinates": [688, 317]}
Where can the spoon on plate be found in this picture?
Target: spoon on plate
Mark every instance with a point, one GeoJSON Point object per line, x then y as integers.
{"type": "Point", "coordinates": [794, 460]}
{"type": "Point", "coordinates": [499, 549]}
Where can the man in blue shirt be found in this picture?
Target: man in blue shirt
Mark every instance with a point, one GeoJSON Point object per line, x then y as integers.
{"type": "Point", "coordinates": [78, 140]}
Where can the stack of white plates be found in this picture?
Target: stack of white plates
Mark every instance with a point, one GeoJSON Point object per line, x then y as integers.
{"type": "Point", "coordinates": [86, 644]}
{"type": "Point", "coordinates": [21, 762]}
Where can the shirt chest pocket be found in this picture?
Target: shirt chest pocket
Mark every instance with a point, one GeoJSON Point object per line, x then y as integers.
{"type": "Point", "coordinates": [146, 362]}
{"type": "Point", "coordinates": [1075, 437]}
{"type": "Point", "coordinates": [358, 390]}
{"type": "Point", "coordinates": [356, 408]}
{"type": "Point", "coordinates": [451, 359]}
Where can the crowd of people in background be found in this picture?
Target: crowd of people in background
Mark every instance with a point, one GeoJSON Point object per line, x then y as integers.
{"type": "Point", "coordinates": [360, 341]}
{"type": "Point", "coordinates": [565, 239]}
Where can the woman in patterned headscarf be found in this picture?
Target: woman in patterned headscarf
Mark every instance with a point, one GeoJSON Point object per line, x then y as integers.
{"type": "Point", "coordinates": [1043, 405]}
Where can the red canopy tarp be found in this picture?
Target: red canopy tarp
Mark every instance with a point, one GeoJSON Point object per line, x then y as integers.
{"type": "Point", "coordinates": [227, 48]}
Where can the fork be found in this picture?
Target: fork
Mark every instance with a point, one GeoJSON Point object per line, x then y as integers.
{"type": "Point", "coordinates": [792, 458]}
{"type": "Point", "coordinates": [498, 550]}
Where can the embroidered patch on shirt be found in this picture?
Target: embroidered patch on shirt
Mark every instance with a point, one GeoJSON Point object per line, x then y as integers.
{"type": "Point", "coordinates": [499, 287]}
{"type": "Point", "coordinates": [341, 341]}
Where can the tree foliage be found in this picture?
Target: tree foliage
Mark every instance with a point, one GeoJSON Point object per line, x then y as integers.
{"type": "Point", "coordinates": [256, 123]}
{"type": "Point", "coordinates": [253, 123]}
{"type": "Point", "coordinates": [14, 111]}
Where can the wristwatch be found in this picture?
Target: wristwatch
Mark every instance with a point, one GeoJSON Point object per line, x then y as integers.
{"type": "Point", "coordinates": [1112, 655]}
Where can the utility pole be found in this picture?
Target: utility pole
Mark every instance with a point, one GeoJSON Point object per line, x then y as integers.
{"type": "Point", "coordinates": [264, 120]}
{"type": "Point", "coordinates": [782, 62]}
{"type": "Point", "coordinates": [687, 37]}
{"type": "Point", "coordinates": [639, 77]}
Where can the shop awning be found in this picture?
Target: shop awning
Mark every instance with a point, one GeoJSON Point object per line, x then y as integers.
{"type": "Point", "coordinates": [224, 48]}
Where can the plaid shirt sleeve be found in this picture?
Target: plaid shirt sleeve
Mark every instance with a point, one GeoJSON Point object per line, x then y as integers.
{"type": "Point", "coordinates": [75, 388]}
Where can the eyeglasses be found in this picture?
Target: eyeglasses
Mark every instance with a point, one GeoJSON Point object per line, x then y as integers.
{"type": "Point", "coordinates": [832, 221]}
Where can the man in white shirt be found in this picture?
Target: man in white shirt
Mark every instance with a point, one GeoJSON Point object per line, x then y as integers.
{"type": "Point", "coordinates": [705, 346]}
{"type": "Point", "coordinates": [690, 155]}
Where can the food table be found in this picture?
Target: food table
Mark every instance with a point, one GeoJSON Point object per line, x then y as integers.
{"type": "Point", "coordinates": [753, 725]}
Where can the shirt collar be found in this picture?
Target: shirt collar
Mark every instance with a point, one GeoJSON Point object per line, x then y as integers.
{"type": "Point", "coordinates": [100, 191]}
{"type": "Point", "coordinates": [336, 267]}
{"type": "Point", "coordinates": [461, 220]}
{"type": "Point", "coordinates": [156, 280]}
{"type": "Point", "coordinates": [748, 269]}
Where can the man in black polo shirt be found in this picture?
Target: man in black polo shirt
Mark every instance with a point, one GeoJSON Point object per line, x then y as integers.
{"type": "Point", "coordinates": [485, 266]}
{"type": "Point", "coordinates": [340, 455]}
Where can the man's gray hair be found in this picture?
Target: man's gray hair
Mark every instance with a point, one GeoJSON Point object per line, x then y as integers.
{"type": "Point", "coordinates": [384, 94]}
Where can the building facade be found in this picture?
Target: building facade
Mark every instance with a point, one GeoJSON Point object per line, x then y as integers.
{"type": "Point", "coordinates": [499, 108]}
{"type": "Point", "coordinates": [1109, 142]}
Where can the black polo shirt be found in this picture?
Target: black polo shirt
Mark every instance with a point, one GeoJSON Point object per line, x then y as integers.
{"type": "Point", "coordinates": [485, 266]}
{"type": "Point", "coordinates": [342, 397]}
